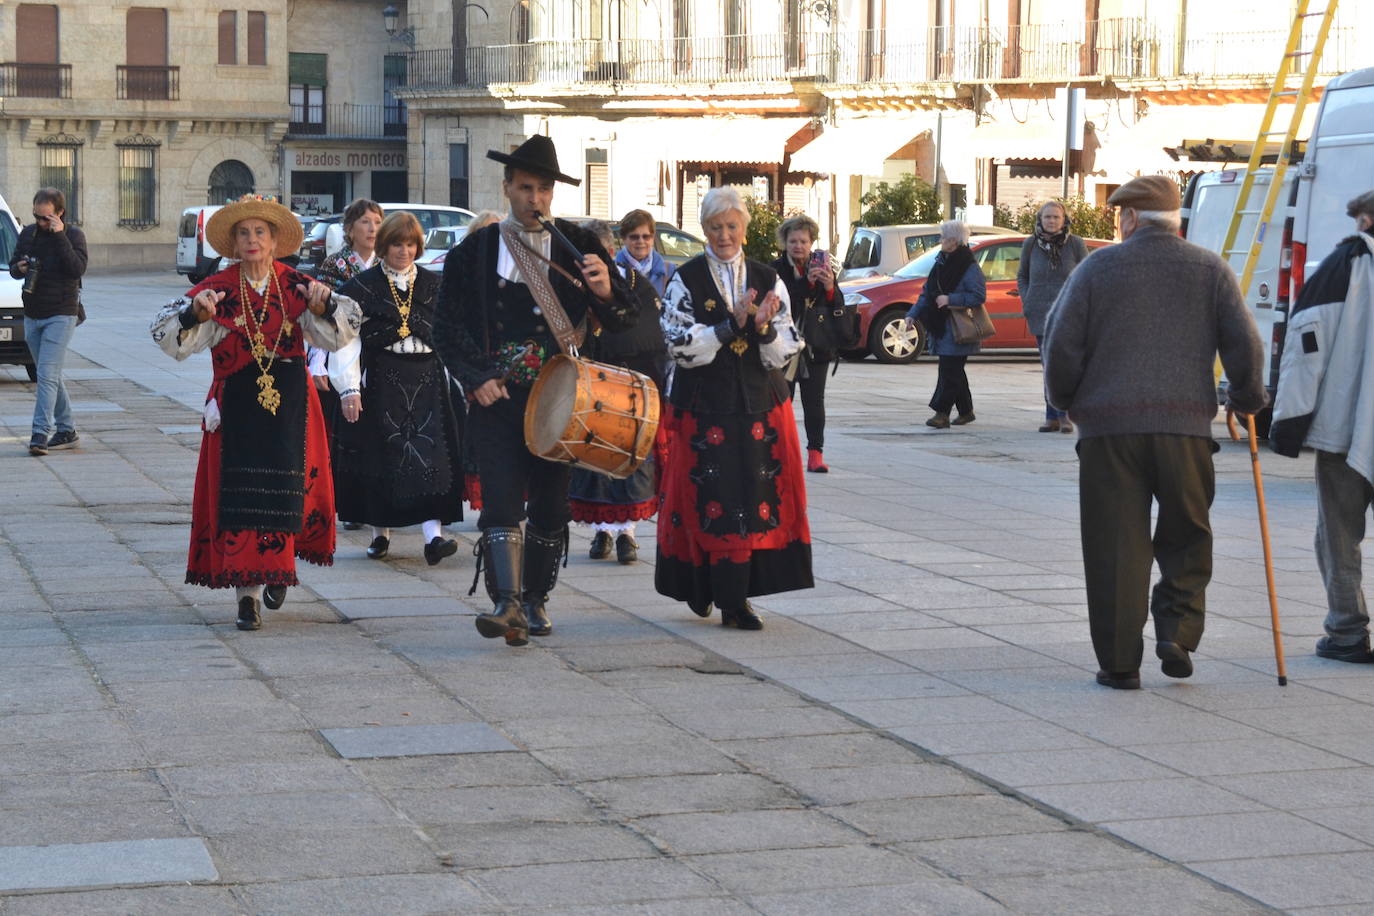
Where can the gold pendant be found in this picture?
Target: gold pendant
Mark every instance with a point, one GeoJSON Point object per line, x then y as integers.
{"type": "Point", "coordinates": [739, 345]}
{"type": "Point", "coordinates": [710, 305]}
{"type": "Point", "coordinates": [259, 351]}
{"type": "Point", "coordinates": [269, 397]}
{"type": "Point", "coordinates": [403, 333]}
{"type": "Point", "coordinates": [287, 327]}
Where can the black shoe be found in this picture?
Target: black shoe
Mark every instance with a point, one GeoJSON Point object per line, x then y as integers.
{"type": "Point", "coordinates": [963, 419]}
{"type": "Point", "coordinates": [274, 596]}
{"type": "Point", "coordinates": [352, 526]}
{"type": "Point", "coordinates": [1357, 653]}
{"type": "Point", "coordinates": [744, 618]}
{"type": "Point", "coordinates": [1175, 659]}
{"type": "Point", "coordinates": [501, 553]}
{"type": "Point", "coordinates": [700, 608]}
{"type": "Point", "coordinates": [438, 548]}
{"type": "Point", "coordinates": [379, 547]}
{"type": "Point", "coordinates": [38, 445]}
{"type": "Point", "coordinates": [250, 615]}
{"type": "Point", "coordinates": [1119, 680]}
{"type": "Point", "coordinates": [601, 546]}
{"type": "Point", "coordinates": [543, 551]}
{"type": "Point", "coordinates": [63, 439]}
{"type": "Point", "coordinates": [626, 550]}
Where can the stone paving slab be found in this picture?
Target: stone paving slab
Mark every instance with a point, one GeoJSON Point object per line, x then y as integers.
{"type": "Point", "coordinates": [416, 740]}
{"type": "Point", "coordinates": [99, 864]}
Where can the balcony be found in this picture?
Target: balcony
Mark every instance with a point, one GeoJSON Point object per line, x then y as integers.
{"type": "Point", "coordinates": [1119, 50]}
{"type": "Point", "coordinates": [148, 83]}
{"type": "Point", "coordinates": [36, 81]}
{"type": "Point", "coordinates": [346, 121]}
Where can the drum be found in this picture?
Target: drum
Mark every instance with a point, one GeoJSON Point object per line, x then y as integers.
{"type": "Point", "coordinates": [592, 415]}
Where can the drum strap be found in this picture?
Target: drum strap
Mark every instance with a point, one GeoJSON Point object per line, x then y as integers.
{"type": "Point", "coordinates": [537, 279]}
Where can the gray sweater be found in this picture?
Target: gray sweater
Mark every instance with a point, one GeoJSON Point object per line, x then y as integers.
{"type": "Point", "coordinates": [1133, 335]}
{"type": "Point", "coordinates": [1039, 283]}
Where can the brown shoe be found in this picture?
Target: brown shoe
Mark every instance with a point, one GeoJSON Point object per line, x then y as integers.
{"type": "Point", "coordinates": [1051, 426]}
{"type": "Point", "coordinates": [939, 421]}
{"type": "Point", "coordinates": [1065, 426]}
{"type": "Point", "coordinates": [963, 418]}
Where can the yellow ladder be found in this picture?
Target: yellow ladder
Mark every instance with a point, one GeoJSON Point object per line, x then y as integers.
{"type": "Point", "coordinates": [1279, 94]}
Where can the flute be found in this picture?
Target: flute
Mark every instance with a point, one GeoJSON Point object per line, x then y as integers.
{"type": "Point", "coordinates": [560, 238]}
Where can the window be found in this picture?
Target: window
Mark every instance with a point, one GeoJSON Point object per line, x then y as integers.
{"type": "Point", "coordinates": [229, 180]}
{"type": "Point", "coordinates": [458, 175]}
{"type": "Point", "coordinates": [57, 169]}
{"type": "Point", "coordinates": [257, 38]}
{"type": "Point", "coordinates": [864, 250]}
{"type": "Point", "coordinates": [915, 244]}
{"type": "Point", "coordinates": [1000, 262]}
{"type": "Point", "coordinates": [145, 74]}
{"type": "Point", "coordinates": [682, 31]}
{"type": "Point", "coordinates": [137, 182]}
{"type": "Point", "coordinates": [598, 184]}
{"type": "Point", "coordinates": [675, 244]}
{"type": "Point", "coordinates": [736, 41]}
{"type": "Point", "coordinates": [393, 77]}
{"type": "Point", "coordinates": [228, 37]}
{"type": "Point", "coordinates": [307, 92]}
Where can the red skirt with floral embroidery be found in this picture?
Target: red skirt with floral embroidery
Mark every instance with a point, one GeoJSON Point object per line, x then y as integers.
{"type": "Point", "coordinates": [734, 491]}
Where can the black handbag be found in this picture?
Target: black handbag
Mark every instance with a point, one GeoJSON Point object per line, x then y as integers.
{"type": "Point", "coordinates": [827, 329]}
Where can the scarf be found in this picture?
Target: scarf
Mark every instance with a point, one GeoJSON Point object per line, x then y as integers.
{"type": "Point", "coordinates": [401, 279]}
{"type": "Point", "coordinates": [1052, 245]}
{"type": "Point", "coordinates": [728, 275]}
{"type": "Point", "coordinates": [949, 269]}
{"type": "Point", "coordinates": [653, 267]}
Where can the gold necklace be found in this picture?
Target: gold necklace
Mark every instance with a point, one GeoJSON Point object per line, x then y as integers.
{"type": "Point", "coordinates": [402, 307]}
{"type": "Point", "coordinates": [268, 396]}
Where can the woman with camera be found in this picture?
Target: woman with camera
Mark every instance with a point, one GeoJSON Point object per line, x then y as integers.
{"type": "Point", "coordinates": [810, 279]}
{"type": "Point", "coordinates": [50, 258]}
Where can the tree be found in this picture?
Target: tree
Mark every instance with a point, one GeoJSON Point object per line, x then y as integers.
{"type": "Point", "coordinates": [910, 200]}
{"type": "Point", "coordinates": [1089, 220]}
{"type": "Point", "coordinates": [761, 238]}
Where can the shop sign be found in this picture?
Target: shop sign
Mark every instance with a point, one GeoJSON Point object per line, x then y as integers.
{"type": "Point", "coordinates": [347, 160]}
{"type": "Point", "coordinates": [312, 204]}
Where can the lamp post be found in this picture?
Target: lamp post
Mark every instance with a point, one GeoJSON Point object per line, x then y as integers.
{"type": "Point", "coordinates": [391, 19]}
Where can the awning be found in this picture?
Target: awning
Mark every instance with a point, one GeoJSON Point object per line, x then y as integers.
{"type": "Point", "coordinates": [1141, 147]}
{"type": "Point", "coordinates": [728, 139]}
{"type": "Point", "coordinates": [858, 147]}
{"type": "Point", "coordinates": [1037, 138]}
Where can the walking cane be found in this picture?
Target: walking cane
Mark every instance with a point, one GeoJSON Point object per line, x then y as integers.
{"type": "Point", "coordinates": [1268, 557]}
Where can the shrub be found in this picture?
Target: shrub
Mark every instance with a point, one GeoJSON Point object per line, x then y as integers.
{"type": "Point", "coordinates": [761, 238]}
{"type": "Point", "coordinates": [910, 200]}
{"type": "Point", "coordinates": [1089, 220]}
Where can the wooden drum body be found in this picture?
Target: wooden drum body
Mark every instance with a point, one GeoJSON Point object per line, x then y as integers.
{"type": "Point", "coordinates": [592, 415]}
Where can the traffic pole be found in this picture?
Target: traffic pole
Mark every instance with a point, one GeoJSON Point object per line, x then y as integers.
{"type": "Point", "coordinates": [1268, 556]}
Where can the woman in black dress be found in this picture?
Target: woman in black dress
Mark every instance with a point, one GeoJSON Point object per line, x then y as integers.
{"type": "Point", "coordinates": [398, 457]}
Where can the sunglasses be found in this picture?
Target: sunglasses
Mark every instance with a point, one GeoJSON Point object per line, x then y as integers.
{"type": "Point", "coordinates": [639, 237]}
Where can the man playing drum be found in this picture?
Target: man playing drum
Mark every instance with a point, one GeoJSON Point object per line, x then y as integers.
{"type": "Point", "coordinates": [506, 290]}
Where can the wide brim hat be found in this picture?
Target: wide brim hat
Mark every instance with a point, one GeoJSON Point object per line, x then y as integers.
{"type": "Point", "coordinates": [219, 231]}
{"type": "Point", "coordinates": [536, 156]}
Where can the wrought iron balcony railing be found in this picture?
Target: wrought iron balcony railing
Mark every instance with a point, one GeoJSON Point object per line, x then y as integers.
{"type": "Point", "coordinates": [347, 120]}
{"type": "Point", "coordinates": [147, 83]}
{"type": "Point", "coordinates": [37, 81]}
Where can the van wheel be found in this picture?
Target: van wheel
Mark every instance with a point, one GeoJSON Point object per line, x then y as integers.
{"type": "Point", "coordinates": [31, 371]}
{"type": "Point", "coordinates": [891, 342]}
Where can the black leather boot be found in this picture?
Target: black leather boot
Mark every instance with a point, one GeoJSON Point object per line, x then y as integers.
{"type": "Point", "coordinates": [501, 553]}
{"type": "Point", "coordinates": [542, 553]}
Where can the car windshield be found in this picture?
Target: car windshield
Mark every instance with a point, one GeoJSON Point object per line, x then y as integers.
{"type": "Point", "coordinates": [9, 236]}
{"type": "Point", "coordinates": [919, 268]}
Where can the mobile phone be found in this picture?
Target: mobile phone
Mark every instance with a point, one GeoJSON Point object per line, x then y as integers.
{"type": "Point", "coordinates": [818, 259]}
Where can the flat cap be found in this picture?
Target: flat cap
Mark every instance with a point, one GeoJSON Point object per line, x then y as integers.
{"type": "Point", "coordinates": [1149, 192]}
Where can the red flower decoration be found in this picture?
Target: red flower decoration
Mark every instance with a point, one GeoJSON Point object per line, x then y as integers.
{"type": "Point", "coordinates": [757, 431]}
{"type": "Point", "coordinates": [715, 435]}
{"type": "Point", "coordinates": [763, 510]}
{"type": "Point", "coordinates": [714, 510]}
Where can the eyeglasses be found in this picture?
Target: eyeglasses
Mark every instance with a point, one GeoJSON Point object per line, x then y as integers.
{"type": "Point", "coordinates": [639, 237]}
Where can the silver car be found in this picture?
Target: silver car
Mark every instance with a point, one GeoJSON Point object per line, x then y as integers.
{"type": "Point", "coordinates": [883, 250]}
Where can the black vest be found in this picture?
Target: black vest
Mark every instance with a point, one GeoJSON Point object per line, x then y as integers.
{"type": "Point", "coordinates": [373, 295]}
{"type": "Point", "coordinates": [733, 382]}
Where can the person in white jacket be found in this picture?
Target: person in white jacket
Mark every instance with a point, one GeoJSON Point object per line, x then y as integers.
{"type": "Point", "coordinates": [1325, 401]}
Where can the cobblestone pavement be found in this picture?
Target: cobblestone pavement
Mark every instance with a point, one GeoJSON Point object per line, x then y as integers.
{"type": "Point", "coordinates": [919, 733]}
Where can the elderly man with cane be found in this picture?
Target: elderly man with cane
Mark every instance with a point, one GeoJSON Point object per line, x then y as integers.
{"type": "Point", "coordinates": [1130, 344]}
{"type": "Point", "coordinates": [1326, 402]}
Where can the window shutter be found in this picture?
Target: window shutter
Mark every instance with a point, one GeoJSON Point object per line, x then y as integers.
{"type": "Point", "coordinates": [228, 37]}
{"type": "Point", "coordinates": [146, 37]}
{"type": "Point", "coordinates": [35, 27]}
{"type": "Point", "coordinates": [308, 69]}
{"type": "Point", "coordinates": [257, 40]}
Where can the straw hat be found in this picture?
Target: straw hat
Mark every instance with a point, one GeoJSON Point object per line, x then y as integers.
{"type": "Point", "coordinates": [219, 231]}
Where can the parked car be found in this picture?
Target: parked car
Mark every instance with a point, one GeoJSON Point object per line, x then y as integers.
{"type": "Point", "coordinates": [13, 349]}
{"type": "Point", "coordinates": [313, 245]}
{"type": "Point", "coordinates": [884, 301]}
{"type": "Point", "coordinates": [439, 241]}
{"type": "Point", "coordinates": [883, 250]}
{"type": "Point", "coordinates": [196, 257]}
{"type": "Point", "coordinates": [325, 236]}
{"type": "Point", "coordinates": [676, 246]}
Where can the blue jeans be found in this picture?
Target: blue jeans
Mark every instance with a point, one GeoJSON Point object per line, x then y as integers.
{"type": "Point", "coordinates": [48, 339]}
{"type": "Point", "coordinates": [1051, 412]}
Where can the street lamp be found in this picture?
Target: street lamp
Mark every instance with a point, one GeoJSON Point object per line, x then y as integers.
{"type": "Point", "coordinates": [391, 18]}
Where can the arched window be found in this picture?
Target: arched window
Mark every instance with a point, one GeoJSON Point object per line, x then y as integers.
{"type": "Point", "coordinates": [229, 180]}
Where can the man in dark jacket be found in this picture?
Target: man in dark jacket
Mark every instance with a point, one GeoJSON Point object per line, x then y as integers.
{"type": "Point", "coordinates": [50, 258]}
{"type": "Point", "coordinates": [1325, 401]}
{"type": "Point", "coordinates": [1130, 344]}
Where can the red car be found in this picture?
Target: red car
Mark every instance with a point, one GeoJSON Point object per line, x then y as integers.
{"type": "Point", "coordinates": [884, 301]}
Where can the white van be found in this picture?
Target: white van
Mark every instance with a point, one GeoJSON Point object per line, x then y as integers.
{"type": "Point", "coordinates": [13, 349]}
{"type": "Point", "coordinates": [1208, 203]}
{"type": "Point", "coordinates": [196, 257]}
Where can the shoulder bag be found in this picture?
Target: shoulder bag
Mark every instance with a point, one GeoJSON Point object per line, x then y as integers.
{"type": "Point", "coordinates": [971, 325]}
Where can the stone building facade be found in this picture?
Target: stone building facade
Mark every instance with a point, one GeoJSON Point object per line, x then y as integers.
{"type": "Point", "coordinates": [141, 111]}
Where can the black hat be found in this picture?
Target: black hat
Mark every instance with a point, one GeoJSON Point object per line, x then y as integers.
{"type": "Point", "coordinates": [537, 156]}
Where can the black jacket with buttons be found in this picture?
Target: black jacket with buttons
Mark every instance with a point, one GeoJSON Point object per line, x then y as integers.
{"type": "Point", "coordinates": [61, 257]}
{"type": "Point", "coordinates": [479, 312]}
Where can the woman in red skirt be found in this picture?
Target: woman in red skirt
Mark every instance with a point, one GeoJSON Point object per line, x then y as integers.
{"type": "Point", "coordinates": [263, 490]}
{"type": "Point", "coordinates": [733, 521]}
